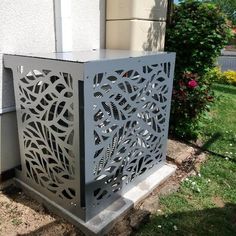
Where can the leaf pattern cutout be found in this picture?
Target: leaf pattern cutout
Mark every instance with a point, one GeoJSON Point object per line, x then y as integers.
{"type": "Point", "coordinates": [130, 113]}
{"type": "Point", "coordinates": [46, 101]}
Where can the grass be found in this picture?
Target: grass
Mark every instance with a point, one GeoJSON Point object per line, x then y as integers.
{"type": "Point", "coordinates": [206, 204]}
{"type": "Point", "coordinates": [222, 122]}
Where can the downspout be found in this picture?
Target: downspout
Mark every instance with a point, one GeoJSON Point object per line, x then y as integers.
{"type": "Point", "coordinates": [170, 9]}
{"type": "Point", "coordinates": [63, 25]}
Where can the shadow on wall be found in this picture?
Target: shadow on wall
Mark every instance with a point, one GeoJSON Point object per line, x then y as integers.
{"type": "Point", "coordinates": [8, 98]}
{"type": "Point", "coordinates": [156, 32]}
{"type": "Point", "coordinates": [9, 144]}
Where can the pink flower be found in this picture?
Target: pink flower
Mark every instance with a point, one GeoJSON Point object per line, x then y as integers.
{"type": "Point", "coordinates": [192, 84]}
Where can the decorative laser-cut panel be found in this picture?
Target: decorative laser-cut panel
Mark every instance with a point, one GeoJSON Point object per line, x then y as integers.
{"type": "Point", "coordinates": [45, 98]}
{"type": "Point", "coordinates": [90, 130]}
{"type": "Point", "coordinates": [130, 115]}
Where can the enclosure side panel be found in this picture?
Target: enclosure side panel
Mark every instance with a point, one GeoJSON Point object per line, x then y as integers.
{"type": "Point", "coordinates": [46, 95]}
{"type": "Point", "coordinates": [127, 105]}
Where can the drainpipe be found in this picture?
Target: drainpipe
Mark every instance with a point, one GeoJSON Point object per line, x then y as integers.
{"type": "Point", "coordinates": [63, 25]}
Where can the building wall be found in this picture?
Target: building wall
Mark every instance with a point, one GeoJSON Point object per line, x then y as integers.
{"type": "Point", "coordinates": [88, 24]}
{"type": "Point", "coordinates": [28, 26]}
{"type": "Point", "coordinates": [9, 142]}
{"type": "Point", "coordinates": [25, 26]}
{"type": "Point", "coordinates": [141, 23]}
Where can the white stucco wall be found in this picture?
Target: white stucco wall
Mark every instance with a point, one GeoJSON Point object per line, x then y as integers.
{"type": "Point", "coordinates": [88, 24]}
{"type": "Point", "coordinates": [26, 26]}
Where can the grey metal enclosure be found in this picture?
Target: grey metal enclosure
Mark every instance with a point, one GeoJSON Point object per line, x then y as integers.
{"type": "Point", "coordinates": [91, 124]}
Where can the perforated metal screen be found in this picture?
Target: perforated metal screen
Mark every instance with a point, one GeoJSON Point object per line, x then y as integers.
{"type": "Point", "coordinates": [90, 131]}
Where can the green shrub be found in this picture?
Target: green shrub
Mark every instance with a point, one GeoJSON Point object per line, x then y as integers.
{"type": "Point", "coordinates": [197, 34]}
{"type": "Point", "coordinates": [214, 75]}
{"type": "Point", "coordinates": [228, 7]}
{"type": "Point", "coordinates": [229, 77]}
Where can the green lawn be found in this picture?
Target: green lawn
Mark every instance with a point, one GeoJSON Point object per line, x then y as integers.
{"type": "Point", "coordinates": [206, 204]}
{"type": "Point", "coordinates": [220, 128]}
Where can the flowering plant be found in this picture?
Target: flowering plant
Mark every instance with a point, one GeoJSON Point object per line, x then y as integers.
{"type": "Point", "coordinates": [191, 96]}
{"type": "Point", "coordinates": [197, 34]}
{"type": "Point", "coordinates": [192, 84]}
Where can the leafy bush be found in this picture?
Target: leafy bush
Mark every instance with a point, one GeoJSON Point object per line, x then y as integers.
{"type": "Point", "coordinates": [197, 34]}
{"type": "Point", "coordinates": [214, 75]}
{"type": "Point", "coordinates": [229, 77]}
{"type": "Point", "coordinates": [228, 7]}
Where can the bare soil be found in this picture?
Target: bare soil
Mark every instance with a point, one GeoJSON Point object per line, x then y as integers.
{"type": "Point", "coordinates": [20, 215]}
{"type": "Point", "coordinates": [218, 201]}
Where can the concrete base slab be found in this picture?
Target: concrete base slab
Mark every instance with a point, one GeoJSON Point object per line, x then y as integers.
{"type": "Point", "coordinates": [104, 221]}
{"type": "Point", "coordinates": [6, 184]}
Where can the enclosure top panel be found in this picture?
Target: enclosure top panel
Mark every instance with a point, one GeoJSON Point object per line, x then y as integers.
{"type": "Point", "coordinates": [93, 55]}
